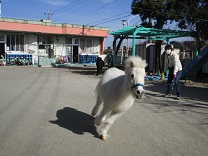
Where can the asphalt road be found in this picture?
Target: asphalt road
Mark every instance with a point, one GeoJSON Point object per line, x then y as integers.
{"type": "Point", "coordinates": [46, 111]}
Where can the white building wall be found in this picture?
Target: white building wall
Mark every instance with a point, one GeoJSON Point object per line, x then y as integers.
{"type": "Point", "coordinates": [31, 46]}
{"type": "Point", "coordinates": [59, 46]}
{"type": "Point", "coordinates": [31, 43]}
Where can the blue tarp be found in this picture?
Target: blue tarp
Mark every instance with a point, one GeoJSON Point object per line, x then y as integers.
{"type": "Point", "coordinates": [153, 78]}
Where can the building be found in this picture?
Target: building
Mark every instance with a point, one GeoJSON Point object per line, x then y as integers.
{"type": "Point", "coordinates": [43, 41]}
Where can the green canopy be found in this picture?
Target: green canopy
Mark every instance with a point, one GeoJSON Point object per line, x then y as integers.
{"type": "Point", "coordinates": [135, 32]}
{"type": "Point", "coordinates": [151, 33]}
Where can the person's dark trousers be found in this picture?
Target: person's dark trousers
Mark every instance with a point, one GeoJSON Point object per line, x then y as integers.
{"type": "Point", "coordinates": [98, 70]}
{"type": "Point", "coordinates": [177, 83]}
{"type": "Point", "coordinates": [171, 81]}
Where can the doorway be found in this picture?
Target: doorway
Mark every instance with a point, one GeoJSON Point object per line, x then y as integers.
{"type": "Point", "coordinates": [2, 50]}
{"type": "Point", "coordinates": [75, 54]}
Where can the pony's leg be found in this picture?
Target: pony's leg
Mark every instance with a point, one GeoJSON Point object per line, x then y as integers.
{"type": "Point", "coordinates": [108, 123]}
{"type": "Point", "coordinates": [101, 117]}
{"type": "Point", "coordinates": [96, 107]}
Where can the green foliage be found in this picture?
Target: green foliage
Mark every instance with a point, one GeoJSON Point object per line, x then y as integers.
{"type": "Point", "coordinates": [190, 14]}
{"type": "Point", "coordinates": [160, 11]}
{"type": "Point", "coordinates": [195, 18]}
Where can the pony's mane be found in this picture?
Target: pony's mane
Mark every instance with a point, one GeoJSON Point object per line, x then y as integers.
{"type": "Point", "coordinates": [135, 61]}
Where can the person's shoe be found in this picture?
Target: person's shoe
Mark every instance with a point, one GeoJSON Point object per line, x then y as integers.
{"type": "Point", "coordinates": [168, 95]}
{"type": "Point", "coordinates": [178, 97]}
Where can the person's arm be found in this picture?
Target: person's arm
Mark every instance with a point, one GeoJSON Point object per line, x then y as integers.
{"type": "Point", "coordinates": [176, 64]}
{"type": "Point", "coordinates": [166, 64]}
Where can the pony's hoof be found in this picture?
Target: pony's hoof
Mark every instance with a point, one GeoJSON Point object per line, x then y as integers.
{"type": "Point", "coordinates": [103, 137]}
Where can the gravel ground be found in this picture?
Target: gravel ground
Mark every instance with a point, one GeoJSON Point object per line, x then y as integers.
{"type": "Point", "coordinates": [46, 111]}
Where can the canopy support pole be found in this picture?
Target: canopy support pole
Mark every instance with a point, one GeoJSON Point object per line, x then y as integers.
{"type": "Point", "coordinates": [134, 44]}
{"type": "Point", "coordinates": [114, 51]}
{"type": "Point", "coordinates": [163, 74]}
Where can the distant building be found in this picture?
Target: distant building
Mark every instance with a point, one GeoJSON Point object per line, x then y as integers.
{"type": "Point", "coordinates": [46, 40]}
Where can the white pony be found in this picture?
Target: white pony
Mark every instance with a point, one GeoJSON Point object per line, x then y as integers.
{"type": "Point", "coordinates": [117, 91]}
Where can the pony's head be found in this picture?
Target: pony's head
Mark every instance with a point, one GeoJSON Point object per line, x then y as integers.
{"type": "Point", "coordinates": [135, 72]}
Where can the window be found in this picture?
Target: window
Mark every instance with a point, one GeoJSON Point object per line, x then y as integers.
{"type": "Point", "coordinates": [86, 45]}
{"type": "Point", "coordinates": [82, 45]}
{"type": "Point", "coordinates": [8, 42]}
{"type": "Point", "coordinates": [12, 42]}
{"type": "Point", "coordinates": [15, 42]}
{"type": "Point", "coordinates": [21, 43]}
{"type": "Point", "coordinates": [89, 47]}
{"type": "Point", "coordinates": [76, 41]}
{"type": "Point", "coordinates": [68, 40]}
{"type": "Point", "coordinates": [1, 38]}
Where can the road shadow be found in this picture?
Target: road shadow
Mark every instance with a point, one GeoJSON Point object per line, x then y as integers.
{"type": "Point", "coordinates": [196, 93]}
{"type": "Point", "coordinates": [86, 70]}
{"type": "Point", "coordinates": [76, 121]}
{"type": "Point", "coordinates": [194, 100]}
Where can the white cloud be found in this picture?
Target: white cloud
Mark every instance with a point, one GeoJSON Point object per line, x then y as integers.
{"type": "Point", "coordinates": [57, 3]}
{"type": "Point", "coordinates": [107, 1]}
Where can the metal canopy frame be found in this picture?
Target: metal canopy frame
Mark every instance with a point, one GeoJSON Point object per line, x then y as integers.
{"type": "Point", "coordinates": [135, 32]}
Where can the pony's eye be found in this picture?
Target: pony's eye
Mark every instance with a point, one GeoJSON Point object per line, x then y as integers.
{"type": "Point", "coordinates": [132, 75]}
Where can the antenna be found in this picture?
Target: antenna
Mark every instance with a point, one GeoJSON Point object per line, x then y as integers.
{"type": "Point", "coordinates": [49, 14]}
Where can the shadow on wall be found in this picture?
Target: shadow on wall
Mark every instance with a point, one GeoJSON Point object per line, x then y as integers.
{"type": "Point", "coordinates": [76, 121]}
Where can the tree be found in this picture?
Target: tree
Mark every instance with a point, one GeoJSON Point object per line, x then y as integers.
{"type": "Point", "coordinates": [155, 10]}
{"type": "Point", "coordinates": [151, 10]}
{"type": "Point", "coordinates": [190, 15]}
{"type": "Point", "coordinates": [193, 16]}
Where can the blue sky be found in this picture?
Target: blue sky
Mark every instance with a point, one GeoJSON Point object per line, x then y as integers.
{"type": "Point", "coordinates": [103, 13]}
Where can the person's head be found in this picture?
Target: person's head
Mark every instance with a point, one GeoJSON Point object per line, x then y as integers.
{"type": "Point", "coordinates": [168, 49]}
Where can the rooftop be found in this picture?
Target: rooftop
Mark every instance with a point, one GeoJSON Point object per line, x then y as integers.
{"type": "Point", "coordinates": [46, 26]}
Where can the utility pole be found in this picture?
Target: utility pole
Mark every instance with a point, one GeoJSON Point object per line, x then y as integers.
{"type": "Point", "coordinates": [123, 54]}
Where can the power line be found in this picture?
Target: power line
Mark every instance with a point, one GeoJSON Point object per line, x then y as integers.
{"type": "Point", "coordinates": [58, 9]}
{"type": "Point", "coordinates": [195, 18]}
{"type": "Point", "coordinates": [112, 20]}
{"type": "Point", "coordinates": [107, 18]}
{"type": "Point", "coordinates": [146, 10]}
{"type": "Point", "coordinates": [73, 7]}
{"type": "Point", "coordinates": [88, 4]}
{"type": "Point", "coordinates": [69, 7]}
{"type": "Point", "coordinates": [101, 7]}
{"type": "Point", "coordinates": [106, 5]}
{"type": "Point", "coordinates": [80, 7]}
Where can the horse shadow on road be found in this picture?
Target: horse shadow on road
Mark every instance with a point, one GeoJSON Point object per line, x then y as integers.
{"type": "Point", "coordinates": [76, 121]}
